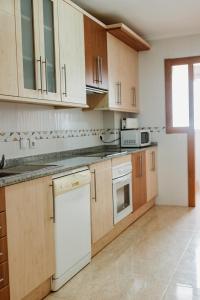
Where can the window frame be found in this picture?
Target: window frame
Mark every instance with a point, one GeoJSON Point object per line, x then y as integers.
{"type": "Point", "coordinates": [169, 63]}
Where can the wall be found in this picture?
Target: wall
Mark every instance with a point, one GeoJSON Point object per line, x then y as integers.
{"type": "Point", "coordinates": [172, 157]}
{"type": "Point", "coordinates": [53, 130]}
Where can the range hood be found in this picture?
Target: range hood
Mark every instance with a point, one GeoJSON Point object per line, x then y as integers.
{"type": "Point", "coordinates": [95, 90]}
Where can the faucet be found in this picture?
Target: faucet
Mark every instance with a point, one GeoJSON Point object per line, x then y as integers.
{"type": "Point", "coordinates": [2, 162]}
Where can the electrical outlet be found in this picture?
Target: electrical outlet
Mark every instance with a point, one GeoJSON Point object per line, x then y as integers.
{"type": "Point", "coordinates": [32, 143]}
{"type": "Point", "coordinates": [23, 143]}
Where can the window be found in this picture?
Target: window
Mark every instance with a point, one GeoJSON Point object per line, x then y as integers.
{"type": "Point", "coordinates": [182, 94]}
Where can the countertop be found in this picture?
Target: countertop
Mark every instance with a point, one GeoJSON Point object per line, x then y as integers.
{"type": "Point", "coordinates": [59, 162]}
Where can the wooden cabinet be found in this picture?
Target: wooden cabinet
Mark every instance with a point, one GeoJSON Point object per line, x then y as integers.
{"type": "Point", "coordinates": [8, 61]}
{"type": "Point", "coordinates": [4, 293]}
{"type": "Point", "coordinates": [123, 75]}
{"type": "Point", "coordinates": [72, 54]}
{"type": "Point", "coordinates": [38, 49]}
{"type": "Point", "coordinates": [101, 200]}
{"type": "Point", "coordinates": [95, 54]}
{"type": "Point", "coordinates": [151, 173]}
{"type": "Point", "coordinates": [29, 210]}
{"type": "Point", "coordinates": [123, 79]}
{"type": "Point", "coordinates": [139, 179]}
{"type": "Point", "coordinates": [4, 277]}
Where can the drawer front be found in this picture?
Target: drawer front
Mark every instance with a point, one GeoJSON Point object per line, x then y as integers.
{"type": "Point", "coordinates": [2, 200]}
{"type": "Point", "coordinates": [3, 274]}
{"type": "Point", "coordinates": [4, 293]}
{"type": "Point", "coordinates": [2, 224]}
{"type": "Point", "coordinates": [3, 250]}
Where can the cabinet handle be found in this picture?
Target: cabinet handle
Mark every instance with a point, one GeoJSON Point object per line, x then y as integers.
{"type": "Point", "coordinates": [1, 280]}
{"type": "Point", "coordinates": [96, 77]}
{"type": "Point", "coordinates": [65, 79]}
{"type": "Point", "coordinates": [95, 186]}
{"type": "Point", "coordinates": [134, 97]}
{"type": "Point", "coordinates": [46, 75]}
{"type": "Point", "coordinates": [117, 101]}
{"type": "Point", "coordinates": [41, 75]}
{"type": "Point", "coordinates": [153, 161]}
{"type": "Point", "coordinates": [141, 165]}
{"type": "Point", "coordinates": [100, 68]}
{"type": "Point", "coordinates": [120, 93]}
{"type": "Point", "coordinates": [53, 217]}
{"type": "Point", "coordinates": [1, 254]}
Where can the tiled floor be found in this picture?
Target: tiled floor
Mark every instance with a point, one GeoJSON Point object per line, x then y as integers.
{"type": "Point", "coordinates": [158, 257]}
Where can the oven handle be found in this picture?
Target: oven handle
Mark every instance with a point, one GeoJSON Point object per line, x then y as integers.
{"type": "Point", "coordinates": [123, 178]}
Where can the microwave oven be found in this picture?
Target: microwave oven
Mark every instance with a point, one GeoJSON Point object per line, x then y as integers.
{"type": "Point", "coordinates": [135, 138]}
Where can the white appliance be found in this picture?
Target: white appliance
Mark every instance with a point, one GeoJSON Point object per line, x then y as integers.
{"type": "Point", "coordinates": [129, 123]}
{"type": "Point", "coordinates": [72, 224]}
{"type": "Point", "coordinates": [135, 138]}
{"type": "Point", "coordinates": [122, 191]}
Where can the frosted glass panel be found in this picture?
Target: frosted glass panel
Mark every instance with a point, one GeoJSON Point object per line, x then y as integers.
{"type": "Point", "coordinates": [28, 51]}
{"type": "Point", "coordinates": [196, 68]}
{"type": "Point", "coordinates": [180, 96]}
{"type": "Point", "coordinates": [49, 44]}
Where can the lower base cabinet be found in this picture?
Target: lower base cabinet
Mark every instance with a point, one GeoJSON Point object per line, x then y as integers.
{"type": "Point", "coordinates": [30, 235]}
{"type": "Point", "coordinates": [139, 179]}
{"type": "Point", "coordinates": [151, 173]}
{"type": "Point", "coordinates": [101, 199]}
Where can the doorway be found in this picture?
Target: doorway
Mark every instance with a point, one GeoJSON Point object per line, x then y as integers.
{"type": "Point", "coordinates": [182, 96]}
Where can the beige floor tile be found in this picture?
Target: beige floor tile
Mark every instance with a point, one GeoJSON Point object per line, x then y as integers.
{"type": "Point", "coordinates": [140, 264]}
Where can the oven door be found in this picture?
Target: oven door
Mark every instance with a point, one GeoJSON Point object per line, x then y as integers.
{"type": "Point", "coordinates": [122, 197]}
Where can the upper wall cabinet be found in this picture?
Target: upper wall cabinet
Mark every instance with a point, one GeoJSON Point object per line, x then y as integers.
{"type": "Point", "coordinates": [95, 55]}
{"type": "Point", "coordinates": [72, 54]}
{"type": "Point", "coordinates": [38, 51]}
{"type": "Point", "coordinates": [123, 79]}
{"type": "Point", "coordinates": [8, 61]}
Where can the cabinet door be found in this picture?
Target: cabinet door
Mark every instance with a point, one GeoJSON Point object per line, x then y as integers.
{"type": "Point", "coordinates": [139, 179]}
{"type": "Point", "coordinates": [28, 49]}
{"type": "Point", "coordinates": [152, 174]}
{"type": "Point", "coordinates": [130, 79]}
{"type": "Point", "coordinates": [29, 209]}
{"type": "Point", "coordinates": [95, 54]}
{"type": "Point", "coordinates": [72, 54]}
{"type": "Point", "coordinates": [101, 200]}
{"type": "Point", "coordinates": [49, 41]}
{"type": "Point", "coordinates": [8, 62]}
{"type": "Point", "coordinates": [114, 71]}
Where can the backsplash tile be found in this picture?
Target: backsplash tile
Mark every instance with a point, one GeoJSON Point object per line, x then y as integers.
{"type": "Point", "coordinates": [54, 134]}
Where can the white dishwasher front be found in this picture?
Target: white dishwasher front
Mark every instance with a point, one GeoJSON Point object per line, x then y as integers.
{"type": "Point", "coordinates": [72, 225]}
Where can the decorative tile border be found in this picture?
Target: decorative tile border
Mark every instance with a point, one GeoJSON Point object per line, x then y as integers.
{"type": "Point", "coordinates": [54, 134]}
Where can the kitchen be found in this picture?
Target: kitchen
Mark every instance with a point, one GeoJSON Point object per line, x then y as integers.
{"type": "Point", "coordinates": [95, 190]}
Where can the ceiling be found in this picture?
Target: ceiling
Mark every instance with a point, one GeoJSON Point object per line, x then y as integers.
{"type": "Point", "coordinates": [153, 19]}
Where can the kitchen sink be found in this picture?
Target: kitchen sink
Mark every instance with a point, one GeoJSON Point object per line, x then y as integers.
{"type": "Point", "coordinates": [106, 154]}
{"type": "Point", "coordinates": [29, 168]}
{"type": "Point", "coordinates": [6, 174]}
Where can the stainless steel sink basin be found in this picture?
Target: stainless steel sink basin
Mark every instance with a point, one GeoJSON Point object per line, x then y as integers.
{"type": "Point", "coordinates": [27, 168]}
{"type": "Point", "coordinates": [7, 174]}
{"type": "Point", "coordinates": [105, 154]}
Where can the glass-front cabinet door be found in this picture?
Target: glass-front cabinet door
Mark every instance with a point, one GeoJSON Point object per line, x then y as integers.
{"type": "Point", "coordinates": [49, 40]}
{"type": "Point", "coordinates": [38, 60]}
{"type": "Point", "coordinates": [28, 48]}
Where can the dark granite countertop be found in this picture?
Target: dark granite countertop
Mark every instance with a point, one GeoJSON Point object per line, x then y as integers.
{"type": "Point", "coordinates": [59, 162]}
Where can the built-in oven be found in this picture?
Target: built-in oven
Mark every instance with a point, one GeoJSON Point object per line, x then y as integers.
{"type": "Point", "coordinates": [122, 191]}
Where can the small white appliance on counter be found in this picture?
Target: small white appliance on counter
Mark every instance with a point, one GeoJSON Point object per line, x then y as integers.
{"type": "Point", "coordinates": [122, 191]}
{"type": "Point", "coordinates": [131, 138]}
{"type": "Point", "coordinates": [129, 123]}
{"type": "Point", "coordinates": [72, 224]}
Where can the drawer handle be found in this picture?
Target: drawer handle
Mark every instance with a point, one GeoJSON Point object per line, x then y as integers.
{"type": "Point", "coordinates": [1, 254]}
{"type": "Point", "coordinates": [0, 227]}
{"type": "Point", "coordinates": [1, 280]}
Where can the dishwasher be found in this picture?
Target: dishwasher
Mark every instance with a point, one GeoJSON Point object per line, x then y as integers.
{"type": "Point", "coordinates": [71, 224]}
